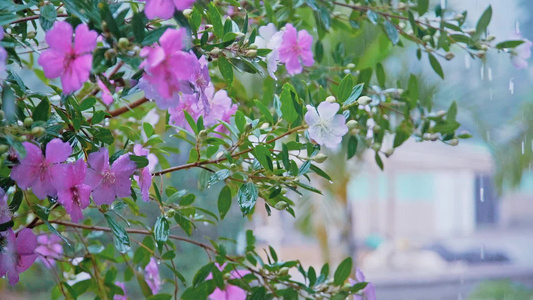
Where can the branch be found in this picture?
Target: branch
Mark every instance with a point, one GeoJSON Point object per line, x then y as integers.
{"type": "Point", "coordinates": [124, 109]}
{"type": "Point", "coordinates": [34, 17]}
{"type": "Point", "coordinates": [216, 161]}
{"type": "Point", "coordinates": [131, 230]}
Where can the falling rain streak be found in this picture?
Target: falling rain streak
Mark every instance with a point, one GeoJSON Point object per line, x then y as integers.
{"type": "Point", "coordinates": [511, 85]}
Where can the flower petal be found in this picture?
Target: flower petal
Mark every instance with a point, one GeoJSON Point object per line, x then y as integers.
{"type": "Point", "coordinates": [52, 62]}
{"type": "Point", "coordinates": [85, 39]}
{"type": "Point", "coordinates": [59, 37]}
{"type": "Point", "coordinates": [57, 151]}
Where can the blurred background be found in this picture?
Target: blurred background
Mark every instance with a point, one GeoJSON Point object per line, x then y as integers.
{"type": "Point", "coordinates": [439, 222]}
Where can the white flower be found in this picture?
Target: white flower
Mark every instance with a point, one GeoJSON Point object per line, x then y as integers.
{"type": "Point", "coordinates": [270, 38]}
{"type": "Point", "coordinates": [326, 127]}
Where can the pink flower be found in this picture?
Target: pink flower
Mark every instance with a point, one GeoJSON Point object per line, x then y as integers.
{"type": "Point", "coordinates": [5, 213]}
{"type": "Point", "coordinates": [107, 96]}
{"type": "Point", "coordinates": [296, 47]}
{"type": "Point", "coordinates": [109, 182]}
{"type": "Point", "coordinates": [70, 61]}
{"type": "Point", "coordinates": [49, 247]}
{"type": "Point", "coordinates": [41, 172]}
{"type": "Point", "coordinates": [200, 81]}
{"type": "Point", "coordinates": [73, 193]}
{"type": "Point", "coordinates": [167, 65]}
{"type": "Point", "coordinates": [3, 54]}
{"type": "Point", "coordinates": [369, 292]}
{"type": "Point", "coordinates": [151, 273]}
{"type": "Point", "coordinates": [164, 9]}
{"type": "Point", "coordinates": [220, 108]}
{"type": "Point", "coordinates": [230, 291]}
{"type": "Point", "coordinates": [17, 253]}
{"type": "Point", "coordinates": [123, 287]}
{"type": "Point", "coordinates": [145, 178]}
{"type": "Point", "coordinates": [326, 127]}
{"type": "Point", "coordinates": [521, 53]}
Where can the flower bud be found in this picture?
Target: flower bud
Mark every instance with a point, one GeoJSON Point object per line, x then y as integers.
{"type": "Point", "coordinates": [31, 34]}
{"type": "Point", "coordinates": [320, 158]}
{"type": "Point", "coordinates": [449, 56]}
{"type": "Point", "coordinates": [331, 99]}
{"type": "Point", "coordinates": [187, 12]}
{"type": "Point", "coordinates": [3, 149]}
{"type": "Point", "coordinates": [233, 167]}
{"type": "Point", "coordinates": [22, 138]}
{"type": "Point", "coordinates": [226, 276]}
{"type": "Point", "coordinates": [459, 17]}
{"type": "Point", "coordinates": [123, 43]}
{"type": "Point", "coordinates": [105, 28]}
{"type": "Point", "coordinates": [251, 53]}
{"type": "Point", "coordinates": [351, 124]}
{"type": "Point", "coordinates": [484, 47]}
{"type": "Point", "coordinates": [440, 113]}
{"type": "Point", "coordinates": [491, 38]}
{"type": "Point", "coordinates": [2, 115]}
{"type": "Point", "coordinates": [202, 135]}
{"type": "Point", "coordinates": [481, 54]}
{"type": "Point", "coordinates": [346, 287]}
{"type": "Point", "coordinates": [376, 128]}
{"type": "Point", "coordinates": [110, 54]}
{"type": "Point", "coordinates": [389, 152]}
{"type": "Point", "coordinates": [364, 100]}
{"type": "Point", "coordinates": [28, 121]}
{"type": "Point", "coordinates": [284, 271]}
{"type": "Point", "coordinates": [253, 46]}
{"type": "Point", "coordinates": [37, 131]}
{"type": "Point", "coordinates": [281, 205]}
{"type": "Point", "coordinates": [426, 38]}
{"type": "Point", "coordinates": [239, 36]}
{"type": "Point", "coordinates": [453, 142]}
{"type": "Point", "coordinates": [170, 213]}
{"type": "Point", "coordinates": [265, 126]}
{"type": "Point", "coordinates": [470, 31]}
{"type": "Point", "coordinates": [215, 52]}
{"type": "Point", "coordinates": [283, 191]}
{"type": "Point", "coordinates": [376, 146]}
{"type": "Point", "coordinates": [350, 66]}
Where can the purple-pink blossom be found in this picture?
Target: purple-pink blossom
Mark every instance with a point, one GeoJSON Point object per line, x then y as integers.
{"type": "Point", "coordinates": [17, 253]}
{"type": "Point", "coordinates": [108, 182]}
{"type": "Point", "coordinates": [107, 96]}
{"type": "Point", "coordinates": [326, 127]}
{"type": "Point", "coordinates": [144, 179]}
{"type": "Point", "coordinates": [41, 172]}
{"type": "Point", "coordinates": [124, 296]}
{"type": "Point", "coordinates": [49, 248]}
{"type": "Point", "coordinates": [369, 292]}
{"type": "Point", "coordinates": [71, 61]}
{"type": "Point", "coordinates": [73, 193]}
{"type": "Point", "coordinates": [164, 9]}
{"type": "Point", "coordinates": [270, 38]}
{"type": "Point", "coordinates": [151, 274]}
{"type": "Point", "coordinates": [295, 49]}
{"type": "Point", "coordinates": [521, 53]}
{"type": "Point", "coordinates": [220, 108]}
{"type": "Point", "coordinates": [5, 213]}
{"type": "Point", "coordinates": [166, 65]}
{"type": "Point", "coordinates": [230, 291]}
{"type": "Point", "coordinates": [3, 54]}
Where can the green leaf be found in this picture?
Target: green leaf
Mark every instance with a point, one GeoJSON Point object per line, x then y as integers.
{"type": "Point", "coordinates": [287, 104]}
{"type": "Point", "coordinates": [154, 35]}
{"type": "Point", "coordinates": [226, 69]}
{"type": "Point", "coordinates": [224, 201]}
{"type": "Point", "coordinates": [319, 51]}
{"type": "Point", "coordinates": [509, 44]}
{"type": "Point", "coordinates": [483, 23]}
{"type": "Point", "coordinates": [216, 20]}
{"type": "Point", "coordinates": [380, 74]}
{"type": "Point", "coordinates": [263, 156]}
{"type": "Point", "coordinates": [121, 239]}
{"type": "Point", "coordinates": [86, 104]}
{"type": "Point", "coordinates": [14, 205]}
{"type": "Point", "coordinates": [352, 146]}
{"type": "Point", "coordinates": [345, 88]}
{"type": "Point", "coordinates": [140, 161]}
{"type": "Point", "coordinates": [247, 196]}
{"type": "Point", "coordinates": [137, 23]}
{"type": "Point", "coordinates": [435, 65]}
{"type": "Point", "coordinates": [42, 111]}
{"type": "Point", "coordinates": [452, 112]}
{"type": "Point", "coordinates": [218, 176]}
{"type": "Point", "coordinates": [343, 271]}
{"type": "Point", "coordinates": [392, 32]}
{"type": "Point", "coordinates": [184, 223]}
{"type": "Point", "coordinates": [202, 274]}
{"type": "Point", "coordinates": [160, 297]}
{"type": "Point", "coordinates": [379, 161]}
{"type": "Point", "coordinates": [47, 16]}
{"type": "Point", "coordinates": [356, 92]}
{"type": "Point", "coordinates": [161, 231]}
{"type": "Point", "coordinates": [422, 7]}
{"type": "Point", "coordinates": [264, 111]}
{"type": "Point", "coordinates": [403, 132]}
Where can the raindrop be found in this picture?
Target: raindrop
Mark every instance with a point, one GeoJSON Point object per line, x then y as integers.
{"type": "Point", "coordinates": [467, 62]}
{"type": "Point", "coordinates": [511, 85]}
{"type": "Point", "coordinates": [482, 194]}
{"type": "Point", "coordinates": [482, 252]}
{"type": "Point", "coordinates": [332, 181]}
{"type": "Point", "coordinates": [523, 147]}
{"type": "Point", "coordinates": [158, 261]}
{"type": "Point", "coordinates": [517, 27]}
{"type": "Point", "coordinates": [206, 223]}
{"type": "Point", "coordinates": [443, 3]}
{"type": "Point", "coordinates": [491, 94]}
{"type": "Point", "coordinates": [482, 72]}
{"type": "Point", "coordinates": [489, 74]}
{"type": "Point", "coordinates": [488, 136]}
